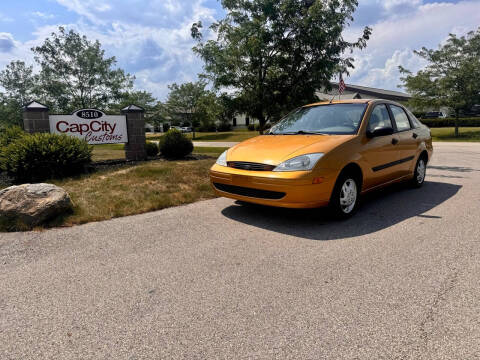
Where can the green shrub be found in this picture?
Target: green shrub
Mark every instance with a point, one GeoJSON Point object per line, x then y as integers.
{"type": "Point", "coordinates": [43, 156]}
{"type": "Point", "coordinates": [175, 145]}
{"type": "Point", "coordinates": [166, 127]}
{"type": "Point", "coordinates": [151, 148]}
{"type": "Point", "coordinates": [251, 127]}
{"type": "Point", "coordinates": [224, 126]}
{"type": "Point", "coordinates": [450, 122]}
{"type": "Point", "coordinates": [10, 134]}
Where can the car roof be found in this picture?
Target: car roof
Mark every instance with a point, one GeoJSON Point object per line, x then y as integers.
{"type": "Point", "coordinates": [353, 101]}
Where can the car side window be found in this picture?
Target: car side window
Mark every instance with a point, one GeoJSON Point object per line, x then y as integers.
{"type": "Point", "coordinates": [401, 118]}
{"type": "Point", "coordinates": [413, 119]}
{"type": "Point", "coordinates": [379, 118]}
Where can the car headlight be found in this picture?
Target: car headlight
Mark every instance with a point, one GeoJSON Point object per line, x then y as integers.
{"type": "Point", "coordinates": [300, 163]}
{"type": "Point", "coordinates": [222, 159]}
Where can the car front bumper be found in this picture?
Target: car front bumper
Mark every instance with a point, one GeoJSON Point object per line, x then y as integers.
{"type": "Point", "coordinates": [299, 189]}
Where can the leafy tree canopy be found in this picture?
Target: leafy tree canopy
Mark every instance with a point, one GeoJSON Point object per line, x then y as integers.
{"type": "Point", "coordinates": [76, 74]}
{"type": "Point", "coordinates": [277, 53]}
{"type": "Point", "coordinates": [451, 77]}
{"type": "Point", "coordinates": [193, 103]}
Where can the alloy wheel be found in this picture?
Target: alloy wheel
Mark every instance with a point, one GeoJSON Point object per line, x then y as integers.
{"type": "Point", "coordinates": [421, 170]}
{"type": "Point", "coordinates": [348, 196]}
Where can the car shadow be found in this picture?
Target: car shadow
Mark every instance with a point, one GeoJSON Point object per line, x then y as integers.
{"type": "Point", "coordinates": [379, 210]}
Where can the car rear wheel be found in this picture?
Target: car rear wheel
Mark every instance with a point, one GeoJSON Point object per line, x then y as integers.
{"type": "Point", "coordinates": [419, 173]}
{"type": "Point", "coordinates": [345, 197]}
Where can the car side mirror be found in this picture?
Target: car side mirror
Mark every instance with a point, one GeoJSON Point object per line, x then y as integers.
{"type": "Point", "coordinates": [384, 131]}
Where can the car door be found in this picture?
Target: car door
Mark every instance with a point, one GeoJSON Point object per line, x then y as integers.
{"type": "Point", "coordinates": [380, 153]}
{"type": "Point", "coordinates": [408, 140]}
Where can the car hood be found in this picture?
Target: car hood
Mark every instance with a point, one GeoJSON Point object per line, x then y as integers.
{"type": "Point", "coordinates": [274, 149]}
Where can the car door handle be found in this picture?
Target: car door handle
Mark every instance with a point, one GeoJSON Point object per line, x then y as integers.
{"type": "Point", "coordinates": [394, 141]}
{"type": "Point", "coordinates": [414, 135]}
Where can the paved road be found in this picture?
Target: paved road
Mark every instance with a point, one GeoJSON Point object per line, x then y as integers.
{"type": "Point", "coordinates": [214, 144]}
{"type": "Point", "coordinates": [221, 280]}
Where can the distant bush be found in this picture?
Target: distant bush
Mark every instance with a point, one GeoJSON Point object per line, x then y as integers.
{"type": "Point", "coordinates": [450, 122]}
{"type": "Point", "coordinates": [151, 148]}
{"type": "Point", "coordinates": [43, 156]}
{"type": "Point", "coordinates": [251, 127]}
{"type": "Point", "coordinates": [175, 145]}
{"type": "Point", "coordinates": [147, 130]}
{"type": "Point", "coordinates": [224, 127]}
{"type": "Point", "coordinates": [166, 127]}
{"type": "Point", "coordinates": [207, 128]}
{"type": "Point", "coordinates": [10, 134]}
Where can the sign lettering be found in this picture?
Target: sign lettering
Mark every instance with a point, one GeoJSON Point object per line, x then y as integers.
{"type": "Point", "coordinates": [91, 125]}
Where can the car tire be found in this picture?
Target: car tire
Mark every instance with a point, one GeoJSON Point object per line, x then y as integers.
{"type": "Point", "coordinates": [345, 198]}
{"type": "Point", "coordinates": [419, 173]}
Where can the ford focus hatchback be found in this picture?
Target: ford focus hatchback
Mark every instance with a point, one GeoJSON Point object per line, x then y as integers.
{"type": "Point", "coordinates": [326, 154]}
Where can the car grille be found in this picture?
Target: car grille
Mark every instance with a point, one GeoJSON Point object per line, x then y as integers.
{"type": "Point", "coordinates": [255, 193]}
{"type": "Point", "coordinates": [250, 166]}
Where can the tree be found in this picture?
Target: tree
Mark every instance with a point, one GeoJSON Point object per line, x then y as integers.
{"type": "Point", "coordinates": [18, 81]}
{"type": "Point", "coordinates": [191, 102]}
{"type": "Point", "coordinates": [451, 77]}
{"type": "Point", "coordinates": [76, 74]}
{"type": "Point", "coordinates": [277, 53]}
{"type": "Point", "coordinates": [140, 98]}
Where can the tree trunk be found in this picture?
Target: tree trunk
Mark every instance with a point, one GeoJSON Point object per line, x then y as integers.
{"type": "Point", "coordinates": [261, 119]}
{"type": "Point", "coordinates": [456, 123]}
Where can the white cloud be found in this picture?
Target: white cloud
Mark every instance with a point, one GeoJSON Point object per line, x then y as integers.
{"type": "Point", "coordinates": [43, 15]}
{"type": "Point", "coordinates": [7, 44]}
{"type": "Point", "coordinates": [5, 18]}
{"type": "Point", "coordinates": [393, 40]}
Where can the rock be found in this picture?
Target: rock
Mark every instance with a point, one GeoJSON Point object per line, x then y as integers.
{"type": "Point", "coordinates": [33, 204]}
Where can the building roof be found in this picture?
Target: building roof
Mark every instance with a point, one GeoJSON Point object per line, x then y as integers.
{"type": "Point", "coordinates": [133, 108]}
{"type": "Point", "coordinates": [382, 93]}
{"type": "Point", "coordinates": [34, 105]}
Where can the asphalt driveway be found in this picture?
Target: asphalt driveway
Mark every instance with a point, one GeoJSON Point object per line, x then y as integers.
{"type": "Point", "coordinates": [217, 279]}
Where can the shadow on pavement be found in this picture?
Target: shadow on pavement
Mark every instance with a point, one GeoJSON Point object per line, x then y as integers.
{"type": "Point", "coordinates": [379, 210]}
{"type": "Point", "coordinates": [452, 168]}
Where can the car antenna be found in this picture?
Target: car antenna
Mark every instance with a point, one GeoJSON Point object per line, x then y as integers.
{"type": "Point", "coordinates": [333, 97]}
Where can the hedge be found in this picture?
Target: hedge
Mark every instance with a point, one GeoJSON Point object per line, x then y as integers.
{"type": "Point", "coordinates": [40, 157]}
{"type": "Point", "coordinates": [450, 122]}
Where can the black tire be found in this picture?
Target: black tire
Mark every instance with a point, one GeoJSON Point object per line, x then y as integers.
{"type": "Point", "coordinates": [419, 172]}
{"type": "Point", "coordinates": [338, 207]}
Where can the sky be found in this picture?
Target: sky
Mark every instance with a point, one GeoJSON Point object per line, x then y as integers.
{"type": "Point", "coordinates": [151, 38]}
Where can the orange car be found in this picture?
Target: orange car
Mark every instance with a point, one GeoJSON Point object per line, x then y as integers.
{"type": "Point", "coordinates": [326, 154]}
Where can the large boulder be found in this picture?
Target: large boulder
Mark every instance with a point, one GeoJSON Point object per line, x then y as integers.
{"type": "Point", "coordinates": [33, 204]}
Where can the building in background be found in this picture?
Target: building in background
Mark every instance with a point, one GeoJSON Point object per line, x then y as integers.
{"type": "Point", "coordinates": [363, 92]}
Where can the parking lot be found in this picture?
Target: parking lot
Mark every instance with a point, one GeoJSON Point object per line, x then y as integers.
{"type": "Point", "coordinates": [218, 279]}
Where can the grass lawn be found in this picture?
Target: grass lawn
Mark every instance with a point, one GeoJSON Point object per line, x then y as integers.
{"type": "Point", "coordinates": [211, 151]}
{"type": "Point", "coordinates": [136, 189]}
{"type": "Point", "coordinates": [448, 134]}
{"type": "Point", "coordinates": [115, 151]}
{"type": "Point", "coordinates": [108, 152]}
{"type": "Point", "coordinates": [233, 136]}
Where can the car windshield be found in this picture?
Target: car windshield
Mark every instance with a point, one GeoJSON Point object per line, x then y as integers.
{"type": "Point", "coordinates": [331, 119]}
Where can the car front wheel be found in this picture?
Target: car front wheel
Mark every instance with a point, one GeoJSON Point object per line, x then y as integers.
{"type": "Point", "coordinates": [345, 197]}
